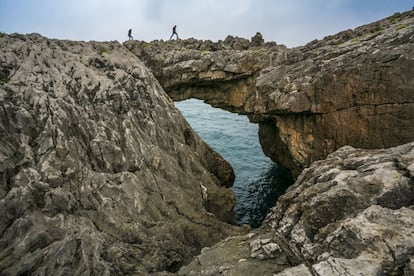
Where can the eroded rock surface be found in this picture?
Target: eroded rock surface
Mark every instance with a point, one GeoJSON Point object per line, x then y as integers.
{"type": "Point", "coordinates": [222, 73]}
{"type": "Point", "coordinates": [353, 88]}
{"type": "Point", "coordinates": [99, 172]}
{"type": "Point", "coordinates": [351, 214]}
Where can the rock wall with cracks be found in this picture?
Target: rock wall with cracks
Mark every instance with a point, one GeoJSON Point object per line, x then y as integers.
{"type": "Point", "coordinates": [353, 88]}
{"type": "Point", "coordinates": [99, 172]}
{"type": "Point", "coordinates": [350, 214]}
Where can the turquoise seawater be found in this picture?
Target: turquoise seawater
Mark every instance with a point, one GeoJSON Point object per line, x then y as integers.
{"type": "Point", "coordinates": [259, 181]}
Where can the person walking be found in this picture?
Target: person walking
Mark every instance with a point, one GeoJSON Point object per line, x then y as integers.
{"type": "Point", "coordinates": [130, 35]}
{"type": "Point", "coordinates": [174, 32]}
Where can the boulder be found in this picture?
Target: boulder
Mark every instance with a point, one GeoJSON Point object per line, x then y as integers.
{"type": "Point", "coordinates": [257, 40]}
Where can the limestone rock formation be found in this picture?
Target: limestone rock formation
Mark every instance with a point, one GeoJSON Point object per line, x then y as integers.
{"type": "Point", "coordinates": [99, 172]}
{"type": "Point", "coordinates": [353, 88]}
{"type": "Point", "coordinates": [351, 214]}
{"type": "Point", "coordinates": [222, 73]}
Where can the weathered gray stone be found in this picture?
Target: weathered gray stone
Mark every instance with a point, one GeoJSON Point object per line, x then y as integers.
{"type": "Point", "coordinates": [257, 40]}
{"type": "Point", "coordinates": [339, 267]}
{"type": "Point", "coordinates": [223, 75]}
{"type": "Point", "coordinates": [99, 172]}
{"type": "Point", "coordinates": [295, 271]}
{"type": "Point", "coordinates": [351, 214]}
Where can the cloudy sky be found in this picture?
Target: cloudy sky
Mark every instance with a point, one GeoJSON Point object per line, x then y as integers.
{"type": "Point", "coordinates": [289, 22]}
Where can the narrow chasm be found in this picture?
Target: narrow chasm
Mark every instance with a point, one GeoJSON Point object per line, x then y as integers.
{"type": "Point", "coordinates": [259, 181]}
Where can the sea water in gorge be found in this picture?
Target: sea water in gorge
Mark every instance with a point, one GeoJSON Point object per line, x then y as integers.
{"type": "Point", "coordinates": [259, 181]}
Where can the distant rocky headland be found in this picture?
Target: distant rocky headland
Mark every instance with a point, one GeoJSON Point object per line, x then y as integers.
{"type": "Point", "coordinates": [101, 174]}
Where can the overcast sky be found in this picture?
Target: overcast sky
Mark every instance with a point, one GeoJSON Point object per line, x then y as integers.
{"type": "Point", "coordinates": [289, 22]}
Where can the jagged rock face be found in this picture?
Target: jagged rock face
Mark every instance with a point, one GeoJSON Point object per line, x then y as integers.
{"type": "Point", "coordinates": [354, 88]}
{"type": "Point", "coordinates": [99, 172]}
{"type": "Point", "coordinates": [351, 214]}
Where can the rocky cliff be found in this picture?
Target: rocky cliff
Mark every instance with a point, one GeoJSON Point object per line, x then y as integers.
{"type": "Point", "coordinates": [99, 172]}
{"type": "Point", "coordinates": [351, 214]}
{"type": "Point", "coordinates": [353, 88]}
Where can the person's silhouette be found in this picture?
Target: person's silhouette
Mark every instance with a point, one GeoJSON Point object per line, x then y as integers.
{"type": "Point", "coordinates": [130, 35]}
{"type": "Point", "coordinates": [174, 32]}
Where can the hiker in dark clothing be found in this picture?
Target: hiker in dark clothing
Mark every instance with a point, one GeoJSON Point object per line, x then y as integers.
{"type": "Point", "coordinates": [130, 35]}
{"type": "Point", "coordinates": [174, 32]}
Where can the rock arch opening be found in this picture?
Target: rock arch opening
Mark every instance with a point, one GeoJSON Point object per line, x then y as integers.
{"type": "Point", "coordinates": [259, 181]}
